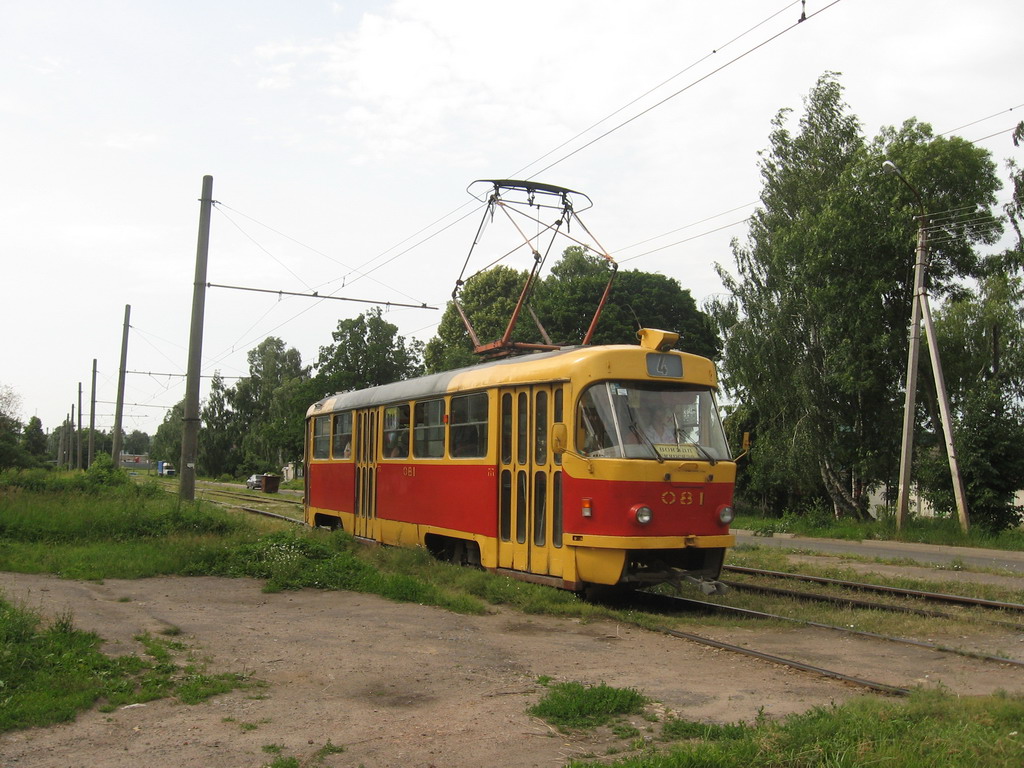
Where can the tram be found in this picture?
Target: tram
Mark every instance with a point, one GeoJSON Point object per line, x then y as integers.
{"type": "Point", "coordinates": [580, 467]}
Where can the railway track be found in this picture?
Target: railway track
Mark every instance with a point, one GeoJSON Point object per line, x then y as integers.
{"type": "Point", "coordinates": [851, 602]}
{"type": "Point", "coordinates": [938, 597]}
{"type": "Point", "coordinates": [667, 603]}
{"type": "Point", "coordinates": [216, 495]}
{"type": "Point", "coordinates": [671, 603]}
{"type": "Point", "coordinates": [702, 605]}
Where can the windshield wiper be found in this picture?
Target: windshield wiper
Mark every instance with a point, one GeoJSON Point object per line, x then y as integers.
{"type": "Point", "coordinates": [703, 452]}
{"type": "Point", "coordinates": [642, 436]}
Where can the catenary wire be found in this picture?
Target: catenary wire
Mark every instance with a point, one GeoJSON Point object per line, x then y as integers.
{"type": "Point", "coordinates": [685, 88]}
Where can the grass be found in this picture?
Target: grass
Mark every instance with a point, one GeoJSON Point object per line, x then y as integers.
{"type": "Point", "coordinates": [574, 705]}
{"type": "Point", "coordinates": [941, 531]}
{"type": "Point", "coordinates": [49, 673]}
{"type": "Point", "coordinates": [928, 730]}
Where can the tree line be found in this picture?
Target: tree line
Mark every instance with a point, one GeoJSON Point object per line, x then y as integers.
{"type": "Point", "coordinates": [810, 333]}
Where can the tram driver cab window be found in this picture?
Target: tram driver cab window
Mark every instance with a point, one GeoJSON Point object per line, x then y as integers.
{"type": "Point", "coordinates": [396, 432]}
{"type": "Point", "coordinates": [643, 420]}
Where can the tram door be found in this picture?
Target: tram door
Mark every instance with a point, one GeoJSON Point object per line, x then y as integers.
{"type": "Point", "coordinates": [529, 482]}
{"type": "Point", "coordinates": [366, 474]}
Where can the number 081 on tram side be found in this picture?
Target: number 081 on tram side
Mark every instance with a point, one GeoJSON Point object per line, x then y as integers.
{"type": "Point", "coordinates": [594, 466]}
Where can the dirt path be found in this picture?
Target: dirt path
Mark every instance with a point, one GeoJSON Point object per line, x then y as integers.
{"type": "Point", "coordinates": [414, 686]}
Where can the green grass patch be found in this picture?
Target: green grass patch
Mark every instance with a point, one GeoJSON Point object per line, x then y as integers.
{"type": "Point", "coordinates": [574, 705]}
{"type": "Point", "coordinates": [50, 673]}
{"type": "Point", "coordinates": [930, 729]}
{"type": "Point", "coordinates": [817, 522]}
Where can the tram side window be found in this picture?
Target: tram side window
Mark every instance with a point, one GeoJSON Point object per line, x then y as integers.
{"type": "Point", "coordinates": [469, 426]}
{"type": "Point", "coordinates": [341, 438]}
{"type": "Point", "coordinates": [396, 432]}
{"type": "Point", "coordinates": [322, 437]}
{"type": "Point", "coordinates": [428, 434]}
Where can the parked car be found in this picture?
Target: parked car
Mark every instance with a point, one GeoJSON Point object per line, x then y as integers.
{"type": "Point", "coordinates": [255, 482]}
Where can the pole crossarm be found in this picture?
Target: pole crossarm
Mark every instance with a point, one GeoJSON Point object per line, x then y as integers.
{"type": "Point", "coordinates": [316, 295]}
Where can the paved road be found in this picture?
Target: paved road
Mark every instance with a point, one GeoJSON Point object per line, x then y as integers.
{"type": "Point", "coordinates": [893, 550]}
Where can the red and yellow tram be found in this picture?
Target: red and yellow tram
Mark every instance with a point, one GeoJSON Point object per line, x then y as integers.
{"type": "Point", "coordinates": [580, 467]}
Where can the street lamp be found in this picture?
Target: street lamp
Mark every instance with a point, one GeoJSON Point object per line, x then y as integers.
{"type": "Point", "coordinates": [920, 310]}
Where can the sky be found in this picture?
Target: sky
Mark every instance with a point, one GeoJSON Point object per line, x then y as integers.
{"type": "Point", "coordinates": [342, 137]}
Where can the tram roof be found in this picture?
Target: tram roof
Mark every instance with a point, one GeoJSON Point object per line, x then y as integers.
{"type": "Point", "coordinates": [481, 374]}
{"type": "Point", "coordinates": [555, 365]}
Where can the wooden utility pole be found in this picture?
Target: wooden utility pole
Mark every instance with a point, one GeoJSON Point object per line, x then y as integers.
{"type": "Point", "coordinates": [190, 425]}
{"type": "Point", "coordinates": [921, 311]}
{"type": "Point", "coordinates": [115, 451]}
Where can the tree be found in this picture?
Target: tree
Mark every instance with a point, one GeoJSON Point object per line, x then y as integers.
{"type": "Point", "coordinates": [565, 302]}
{"type": "Point", "coordinates": [985, 381]}
{"type": "Point", "coordinates": [12, 454]}
{"type": "Point", "coordinates": [33, 439]}
{"type": "Point", "coordinates": [219, 438]}
{"type": "Point", "coordinates": [815, 323]}
{"type": "Point", "coordinates": [488, 298]}
{"type": "Point", "coordinates": [271, 365]}
{"type": "Point", "coordinates": [367, 351]}
{"type": "Point", "coordinates": [137, 443]}
{"type": "Point", "coordinates": [166, 444]}
{"type": "Point", "coordinates": [568, 297]}
{"type": "Point", "coordinates": [1015, 208]}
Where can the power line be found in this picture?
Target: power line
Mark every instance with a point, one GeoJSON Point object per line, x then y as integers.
{"type": "Point", "coordinates": [803, 17]}
{"type": "Point", "coordinates": [682, 90]}
{"type": "Point", "coordinates": [178, 375]}
{"type": "Point", "coordinates": [997, 133]}
{"type": "Point", "coordinates": [981, 120]}
{"type": "Point", "coordinates": [685, 226]}
{"type": "Point", "coordinates": [316, 295]}
{"type": "Point", "coordinates": [649, 91]}
{"type": "Point", "coordinates": [685, 240]}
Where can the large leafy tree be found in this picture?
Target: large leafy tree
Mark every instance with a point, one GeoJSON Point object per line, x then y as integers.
{"type": "Point", "coordinates": [272, 365]}
{"type": "Point", "coordinates": [137, 442]}
{"type": "Point", "coordinates": [488, 298]}
{"type": "Point", "coordinates": [638, 299]}
{"type": "Point", "coordinates": [166, 445]}
{"type": "Point", "coordinates": [367, 351]}
{"type": "Point", "coordinates": [33, 439]}
{"type": "Point", "coordinates": [985, 380]}
{"type": "Point", "coordinates": [565, 302]}
{"type": "Point", "coordinates": [815, 322]}
{"type": "Point", "coordinates": [12, 452]}
{"type": "Point", "coordinates": [220, 436]}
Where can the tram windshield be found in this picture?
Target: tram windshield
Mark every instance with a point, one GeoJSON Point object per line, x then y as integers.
{"type": "Point", "coordinates": [646, 420]}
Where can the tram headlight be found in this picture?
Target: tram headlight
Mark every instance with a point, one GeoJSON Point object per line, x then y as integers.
{"type": "Point", "coordinates": [642, 513]}
{"type": "Point", "coordinates": [726, 514]}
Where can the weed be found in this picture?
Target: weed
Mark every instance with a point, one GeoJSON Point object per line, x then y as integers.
{"type": "Point", "coordinates": [574, 705]}
{"type": "Point", "coordinates": [625, 731]}
{"type": "Point", "coordinates": [51, 673]}
{"type": "Point", "coordinates": [328, 749]}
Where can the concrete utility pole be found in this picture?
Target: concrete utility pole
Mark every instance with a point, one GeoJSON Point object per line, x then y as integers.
{"type": "Point", "coordinates": [78, 447]}
{"type": "Point", "coordinates": [92, 416]}
{"type": "Point", "coordinates": [190, 427]}
{"type": "Point", "coordinates": [920, 310]}
{"type": "Point", "coordinates": [115, 451]}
